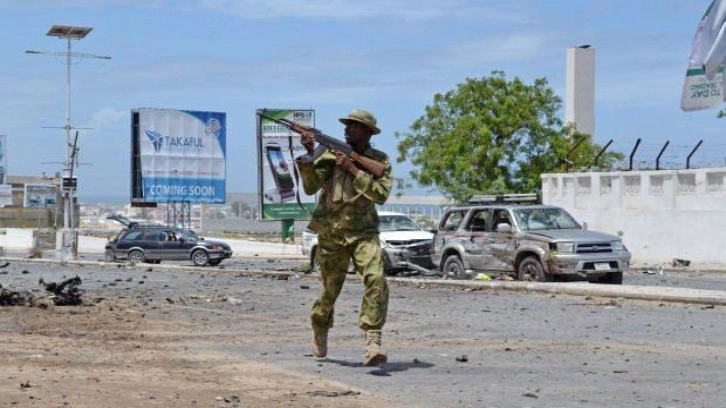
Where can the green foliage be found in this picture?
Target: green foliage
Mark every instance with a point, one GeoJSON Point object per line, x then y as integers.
{"type": "Point", "coordinates": [492, 136]}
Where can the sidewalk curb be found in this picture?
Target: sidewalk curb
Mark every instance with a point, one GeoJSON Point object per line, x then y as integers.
{"type": "Point", "coordinates": [650, 293]}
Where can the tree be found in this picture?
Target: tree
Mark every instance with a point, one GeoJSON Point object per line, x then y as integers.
{"type": "Point", "coordinates": [493, 136]}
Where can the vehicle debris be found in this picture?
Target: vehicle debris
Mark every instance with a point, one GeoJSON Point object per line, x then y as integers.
{"type": "Point", "coordinates": [65, 293]}
{"type": "Point", "coordinates": [12, 298]}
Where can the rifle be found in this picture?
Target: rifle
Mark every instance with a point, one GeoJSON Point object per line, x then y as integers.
{"type": "Point", "coordinates": [372, 166]}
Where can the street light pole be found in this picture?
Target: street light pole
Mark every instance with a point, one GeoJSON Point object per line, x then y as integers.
{"type": "Point", "coordinates": [69, 33]}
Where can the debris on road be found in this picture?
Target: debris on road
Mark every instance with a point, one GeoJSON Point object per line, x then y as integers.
{"type": "Point", "coordinates": [657, 270]}
{"type": "Point", "coordinates": [681, 262]}
{"type": "Point", "coordinates": [65, 293]}
{"type": "Point", "coordinates": [323, 393]}
{"type": "Point", "coordinates": [12, 298]}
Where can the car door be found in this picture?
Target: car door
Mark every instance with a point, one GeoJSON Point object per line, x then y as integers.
{"type": "Point", "coordinates": [152, 242]}
{"type": "Point", "coordinates": [174, 247]}
{"type": "Point", "coordinates": [129, 240]}
{"type": "Point", "coordinates": [475, 240]}
{"type": "Point", "coordinates": [448, 229]}
{"type": "Point", "coordinates": [500, 245]}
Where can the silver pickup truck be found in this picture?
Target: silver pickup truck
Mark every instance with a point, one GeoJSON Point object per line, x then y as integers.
{"type": "Point", "coordinates": [532, 242]}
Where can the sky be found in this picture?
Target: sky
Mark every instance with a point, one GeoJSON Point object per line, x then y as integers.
{"type": "Point", "coordinates": [390, 57]}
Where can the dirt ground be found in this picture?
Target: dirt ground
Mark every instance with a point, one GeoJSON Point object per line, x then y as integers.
{"type": "Point", "coordinates": [151, 337]}
{"type": "Point", "coordinates": [131, 346]}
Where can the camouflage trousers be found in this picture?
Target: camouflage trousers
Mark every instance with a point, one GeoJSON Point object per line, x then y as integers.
{"type": "Point", "coordinates": [334, 257]}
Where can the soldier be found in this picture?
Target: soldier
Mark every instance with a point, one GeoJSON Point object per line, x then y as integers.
{"type": "Point", "coordinates": [346, 221]}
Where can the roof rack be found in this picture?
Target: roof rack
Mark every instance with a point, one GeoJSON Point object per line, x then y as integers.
{"type": "Point", "coordinates": [504, 199]}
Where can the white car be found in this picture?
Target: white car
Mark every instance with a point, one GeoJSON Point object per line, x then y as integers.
{"type": "Point", "coordinates": [406, 246]}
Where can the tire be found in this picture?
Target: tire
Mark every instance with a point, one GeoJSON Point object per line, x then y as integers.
{"type": "Point", "coordinates": [200, 257]}
{"type": "Point", "coordinates": [215, 262]}
{"type": "Point", "coordinates": [453, 268]}
{"type": "Point", "coordinates": [531, 270]}
{"type": "Point", "coordinates": [387, 268]}
{"type": "Point", "coordinates": [613, 278]}
{"type": "Point", "coordinates": [137, 257]}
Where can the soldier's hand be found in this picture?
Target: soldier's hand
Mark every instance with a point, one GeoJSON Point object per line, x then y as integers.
{"type": "Point", "coordinates": [344, 162]}
{"type": "Point", "coordinates": [307, 139]}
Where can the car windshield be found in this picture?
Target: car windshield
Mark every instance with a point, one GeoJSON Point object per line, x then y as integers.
{"type": "Point", "coordinates": [397, 223]}
{"type": "Point", "coordinates": [188, 234]}
{"type": "Point", "coordinates": [544, 218]}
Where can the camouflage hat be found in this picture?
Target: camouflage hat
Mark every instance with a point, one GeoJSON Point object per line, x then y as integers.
{"type": "Point", "coordinates": [364, 117]}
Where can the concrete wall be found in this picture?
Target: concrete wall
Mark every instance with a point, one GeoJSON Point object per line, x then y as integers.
{"type": "Point", "coordinates": [24, 217]}
{"type": "Point", "coordinates": [661, 215]}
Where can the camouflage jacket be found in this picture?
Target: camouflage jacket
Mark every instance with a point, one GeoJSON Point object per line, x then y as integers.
{"type": "Point", "coordinates": [346, 207]}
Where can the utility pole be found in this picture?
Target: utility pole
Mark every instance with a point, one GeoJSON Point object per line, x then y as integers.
{"type": "Point", "coordinates": [68, 183]}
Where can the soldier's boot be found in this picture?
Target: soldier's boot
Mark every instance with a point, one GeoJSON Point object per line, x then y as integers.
{"type": "Point", "coordinates": [374, 354]}
{"type": "Point", "coordinates": [320, 342]}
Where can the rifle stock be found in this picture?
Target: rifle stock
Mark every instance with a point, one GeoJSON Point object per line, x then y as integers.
{"type": "Point", "coordinates": [371, 166]}
{"type": "Point", "coordinates": [374, 167]}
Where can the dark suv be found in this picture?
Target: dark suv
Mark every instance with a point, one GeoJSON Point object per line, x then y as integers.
{"type": "Point", "coordinates": [140, 243]}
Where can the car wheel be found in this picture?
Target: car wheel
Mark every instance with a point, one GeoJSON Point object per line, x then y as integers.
{"type": "Point", "coordinates": [136, 257]}
{"type": "Point", "coordinates": [531, 270]}
{"type": "Point", "coordinates": [453, 268]}
{"type": "Point", "coordinates": [109, 256]}
{"type": "Point", "coordinates": [215, 262]}
{"type": "Point", "coordinates": [614, 278]}
{"type": "Point", "coordinates": [200, 257]}
{"type": "Point", "coordinates": [387, 267]}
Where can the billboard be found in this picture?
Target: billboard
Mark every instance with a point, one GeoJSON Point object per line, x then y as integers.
{"type": "Point", "coordinates": [178, 156]}
{"type": "Point", "coordinates": [39, 196]}
{"type": "Point", "coordinates": [703, 85]}
{"type": "Point", "coordinates": [280, 190]}
{"type": "Point", "coordinates": [3, 159]}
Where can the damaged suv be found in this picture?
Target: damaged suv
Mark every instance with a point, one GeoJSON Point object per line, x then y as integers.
{"type": "Point", "coordinates": [513, 235]}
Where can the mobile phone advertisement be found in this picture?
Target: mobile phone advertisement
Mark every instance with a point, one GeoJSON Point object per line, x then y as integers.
{"type": "Point", "coordinates": [280, 190]}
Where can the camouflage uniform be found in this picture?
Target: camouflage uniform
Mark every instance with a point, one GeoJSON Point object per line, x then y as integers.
{"type": "Point", "coordinates": [346, 221]}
